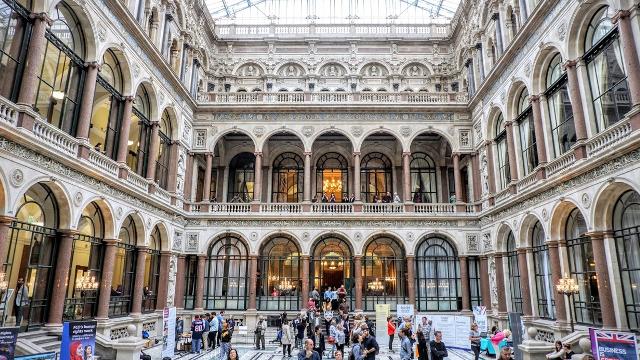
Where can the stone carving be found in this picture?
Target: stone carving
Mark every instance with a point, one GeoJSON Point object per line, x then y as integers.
{"type": "Point", "coordinates": [201, 138]}
{"type": "Point", "coordinates": [562, 31]}
{"type": "Point", "coordinates": [161, 98]}
{"type": "Point", "coordinates": [357, 131]}
{"type": "Point", "coordinates": [333, 70]}
{"type": "Point", "coordinates": [415, 70]}
{"type": "Point", "coordinates": [182, 168]}
{"type": "Point", "coordinates": [527, 70]}
{"type": "Point", "coordinates": [148, 223]}
{"type": "Point", "coordinates": [101, 32]}
{"type": "Point", "coordinates": [374, 70]}
{"type": "Point", "coordinates": [17, 177]}
{"type": "Point", "coordinates": [307, 130]}
{"type": "Point", "coordinates": [410, 237]}
{"type": "Point", "coordinates": [484, 173]}
{"type": "Point", "coordinates": [259, 131]}
{"type": "Point", "coordinates": [136, 71]}
{"type": "Point", "coordinates": [473, 245]}
{"type": "Point", "coordinates": [450, 130]}
{"type": "Point", "coordinates": [586, 200]}
{"type": "Point", "coordinates": [177, 241]}
{"type": "Point", "coordinates": [405, 131]}
{"type": "Point", "coordinates": [336, 224]}
{"type": "Point", "coordinates": [193, 242]}
{"type": "Point", "coordinates": [249, 70]}
{"type": "Point", "coordinates": [545, 215]}
{"type": "Point", "coordinates": [493, 284]}
{"type": "Point", "coordinates": [254, 236]}
{"type": "Point", "coordinates": [486, 242]}
{"type": "Point", "coordinates": [118, 333]}
{"type": "Point", "coordinates": [337, 117]}
{"type": "Point", "coordinates": [186, 132]}
{"type": "Point", "coordinates": [119, 213]}
{"type": "Point", "coordinates": [477, 128]}
{"type": "Point", "coordinates": [306, 237]}
{"type": "Point", "coordinates": [171, 288]}
{"type": "Point", "coordinates": [357, 236]}
{"type": "Point", "coordinates": [464, 139]}
{"type": "Point", "coordinates": [77, 198]}
{"type": "Point", "coordinates": [291, 70]}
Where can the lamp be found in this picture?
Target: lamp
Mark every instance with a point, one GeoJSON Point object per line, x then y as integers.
{"type": "Point", "coordinates": [57, 95]}
{"type": "Point", "coordinates": [4, 284]}
{"type": "Point", "coordinates": [376, 285]}
{"type": "Point", "coordinates": [285, 285]}
{"type": "Point", "coordinates": [568, 286]}
{"type": "Point", "coordinates": [87, 283]}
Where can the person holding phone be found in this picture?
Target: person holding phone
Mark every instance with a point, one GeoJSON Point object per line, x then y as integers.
{"type": "Point", "coordinates": [369, 344]}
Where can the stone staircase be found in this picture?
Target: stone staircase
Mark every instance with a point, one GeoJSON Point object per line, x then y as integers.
{"type": "Point", "coordinates": [36, 342]}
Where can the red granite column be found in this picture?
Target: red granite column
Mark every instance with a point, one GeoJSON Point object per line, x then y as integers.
{"type": "Point", "coordinates": [356, 176]}
{"type": "Point", "coordinates": [523, 267]}
{"type": "Point", "coordinates": [629, 54]}
{"type": "Point", "coordinates": [513, 164]}
{"type": "Point", "coordinates": [307, 176]}
{"type": "Point", "coordinates": [556, 274]}
{"type": "Point", "coordinates": [86, 108]}
{"type": "Point", "coordinates": [358, 281]}
{"type": "Point", "coordinates": [604, 282]}
{"type": "Point", "coordinates": [138, 284]}
{"type": "Point", "coordinates": [475, 163]}
{"type": "Point", "coordinates": [123, 142]}
{"type": "Point", "coordinates": [178, 299]}
{"type": "Point", "coordinates": [154, 149]}
{"type": "Point", "coordinates": [411, 279]}
{"type": "Point", "coordinates": [206, 187]}
{"type": "Point", "coordinates": [163, 280]}
{"type": "Point", "coordinates": [106, 278]}
{"type": "Point", "coordinates": [200, 283]}
{"type": "Point", "coordinates": [257, 186]}
{"type": "Point", "coordinates": [575, 97]}
{"type": "Point", "coordinates": [253, 280]}
{"type": "Point", "coordinates": [464, 282]}
{"type": "Point", "coordinates": [502, 296]}
{"type": "Point", "coordinates": [61, 276]}
{"type": "Point", "coordinates": [541, 147]}
{"type": "Point", "coordinates": [5, 239]}
{"type": "Point", "coordinates": [406, 175]}
{"type": "Point", "coordinates": [485, 288]}
{"type": "Point", "coordinates": [305, 280]}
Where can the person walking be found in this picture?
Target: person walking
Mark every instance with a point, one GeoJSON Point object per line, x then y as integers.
{"type": "Point", "coordinates": [438, 348]}
{"type": "Point", "coordinates": [340, 338]}
{"type": "Point", "coordinates": [405, 345]}
{"type": "Point", "coordinates": [220, 323]}
{"type": "Point", "coordinates": [356, 348]}
{"type": "Point", "coordinates": [261, 329]}
{"type": "Point", "coordinates": [286, 339]}
{"type": "Point", "coordinates": [369, 344]}
{"type": "Point", "coordinates": [225, 339]}
{"type": "Point", "coordinates": [333, 337]}
{"type": "Point", "coordinates": [22, 300]}
{"type": "Point", "coordinates": [309, 352]}
{"type": "Point", "coordinates": [300, 325]}
{"type": "Point", "coordinates": [474, 338]}
{"type": "Point", "coordinates": [197, 329]}
{"type": "Point", "coordinates": [318, 339]}
{"type": "Point", "coordinates": [423, 348]}
{"type": "Point", "coordinates": [213, 331]}
{"type": "Point", "coordinates": [347, 327]}
{"type": "Point", "coordinates": [315, 295]}
{"type": "Point", "coordinates": [391, 331]}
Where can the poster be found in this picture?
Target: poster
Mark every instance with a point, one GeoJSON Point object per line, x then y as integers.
{"type": "Point", "coordinates": [480, 315]}
{"type": "Point", "coordinates": [43, 356]}
{"type": "Point", "coordinates": [517, 333]}
{"type": "Point", "coordinates": [8, 338]}
{"type": "Point", "coordinates": [610, 345]}
{"type": "Point", "coordinates": [455, 329]}
{"type": "Point", "coordinates": [382, 312]}
{"type": "Point", "coordinates": [168, 332]}
{"type": "Point", "coordinates": [405, 310]}
{"type": "Point", "coordinates": [79, 339]}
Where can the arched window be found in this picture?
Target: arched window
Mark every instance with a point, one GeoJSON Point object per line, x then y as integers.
{"type": "Point", "coordinates": [31, 253]}
{"type": "Point", "coordinates": [626, 226]}
{"type": "Point", "coordinates": [543, 276]}
{"type": "Point", "coordinates": [527, 133]}
{"type": "Point", "coordinates": [438, 276]}
{"type": "Point", "coordinates": [241, 178]}
{"type": "Point", "coordinates": [124, 269]}
{"type": "Point", "coordinates": [384, 279]}
{"type": "Point", "coordinates": [375, 176]}
{"type": "Point", "coordinates": [226, 276]}
{"type": "Point", "coordinates": [279, 282]}
{"type": "Point", "coordinates": [151, 273]}
{"type": "Point", "coordinates": [605, 66]}
{"type": "Point", "coordinates": [502, 149]}
{"type": "Point", "coordinates": [560, 112]}
{"type": "Point", "coordinates": [140, 133]}
{"type": "Point", "coordinates": [332, 266]}
{"type": "Point", "coordinates": [288, 178]}
{"type": "Point", "coordinates": [164, 151]}
{"type": "Point", "coordinates": [190, 281]}
{"type": "Point", "coordinates": [582, 267]}
{"type": "Point", "coordinates": [107, 106]}
{"type": "Point", "coordinates": [332, 176]}
{"type": "Point", "coordinates": [14, 29]}
{"type": "Point", "coordinates": [423, 178]}
{"type": "Point", "coordinates": [58, 91]}
{"type": "Point", "coordinates": [86, 260]}
{"type": "Point", "coordinates": [513, 274]}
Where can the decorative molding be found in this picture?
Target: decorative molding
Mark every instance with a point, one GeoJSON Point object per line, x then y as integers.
{"type": "Point", "coordinates": [333, 117]}
{"type": "Point", "coordinates": [193, 242]}
{"type": "Point", "coordinates": [177, 241]}
{"type": "Point", "coordinates": [77, 198]}
{"type": "Point", "coordinates": [17, 178]}
{"type": "Point", "coordinates": [333, 224]}
{"type": "Point", "coordinates": [473, 245]}
{"type": "Point", "coordinates": [307, 131]}
{"type": "Point", "coordinates": [200, 141]}
{"type": "Point", "coordinates": [586, 200]}
{"type": "Point", "coordinates": [486, 242]}
{"type": "Point", "coordinates": [357, 131]}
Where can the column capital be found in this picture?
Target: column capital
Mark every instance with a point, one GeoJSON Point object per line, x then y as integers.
{"type": "Point", "coordinates": [129, 98]}
{"type": "Point", "coordinates": [456, 154]}
{"type": "Point", "coordinates": [308, 153]}
{"type": "Point", "coordinates": [67, 232]}
{"type": "Point", "coordinates": [596, 235]}
{"type": "Point", "coordinates": [488, 142]}
{"type": "Point", "coordinates": [93, 65]}
{"type": "Point", "coordinates": [621, 14]}
{"type": "Point", "coordinates": [143, 248]}
{"type": "Point", "coordinates": [406, 153]}
{"type": "Point", "coordinates": [42, 16]}
{"type": "Point", "coordinates": [410, 256]}
{"type": "Point", "coordinates": [508, 123]}
{"type": "Point", "coordinates": [356, 153]}
{"type": "Point", "coordinates": [463, 257]}
{"type": "Point", "coordinates": [552, 243]}
{"type": "Point", "coordinates": [181, 256]}
{"type": "Point", "coordinates": [258, 153]}
{"type": "Point", "coordinates": [571, 63]}
{"type": "Point", "coordinates": [499, 254]}
{"type": "Point", "coordinates": [203, 257]}
{"type": "Point", "coordinates": [110, 242]}
{"type": "Point", "coordinates": [524, 250]}
{"type": "Point", "coordinates": [166, 252]}
{"type": "Point", "coordinates": [534, 99]}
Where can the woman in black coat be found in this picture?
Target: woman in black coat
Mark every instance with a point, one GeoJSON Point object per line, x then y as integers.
{"type": "Point", "coordinates": [423, 349]}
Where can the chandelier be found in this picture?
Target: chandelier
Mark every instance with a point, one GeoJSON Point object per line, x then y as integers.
{"type": "Point", "coordinates": [286, 285]}
{"type": "Point", "coordinates": [4, 284]}
{"type": "Point", "coordinates": [86, 283]}
{"type": "Point", "coordinates": [376, 285]}
{"type": "Point", "coordinates": [567, 285]}
{"type": "Point", "coordinates": [332, 185]}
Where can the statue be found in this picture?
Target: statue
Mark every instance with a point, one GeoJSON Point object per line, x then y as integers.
{"type": "Point", "coordinates": [332, 70]}
{"type": "Point", "coordinates": [373, 71]}
{"type": "Point", "coordinates": [415, 71]}
{"type": "Point", "coordinates": [250, 70]}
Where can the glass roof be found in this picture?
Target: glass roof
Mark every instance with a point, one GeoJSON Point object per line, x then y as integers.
{"type": "Point", "coordinates": [331, 11]}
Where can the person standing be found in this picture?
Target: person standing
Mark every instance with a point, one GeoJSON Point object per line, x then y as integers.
{"type": "Point", "coordinates": [261, 329]}
{"type": "Point", "coordinates": [300, 326]}
{"type": "Point", "coordinates": [220, 323]}
{"type": "Point", "coordinates": [22, 300]}
{"type": "Point", "coordinates": [347, 327]}
{"type": "Point", "coordinates": [423, 348]}
{"type": "Point", "coordinates": [340, 338]}
{"type": "Point", "coordinates": [205, 333]}
{"type": "Point", "coordinates": [225, 341]}
{"type": "Point", "coordinates": [197, 329]}
{"type": "Point", "coordinates": [474, 338]}
{"type": "Point", "coordinates": [309, 352]}
{"type": "Point", "coordinates": [214, 324]}
{"type": "Point", "coordinates": [369, 344]}
{"type": "Point", "coordinates": [315, 295]}
{"type": "Point", "coordinates": [356, 349]}
{"type": "Point", "coordinates": [405, 345]}
{"type": "Point", "coordinates": [438, 348]}
{"type": "Point", "coordinates": [391, 331]}
{"type": "Point", "coordinates": [319, 341]}
{"type": "Point", "coordinates": [179, 329]}
{"type": "Point", "coordinates": [286, 339]}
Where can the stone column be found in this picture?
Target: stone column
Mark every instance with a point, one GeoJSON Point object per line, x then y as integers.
{"type": "Point", "coordinates": [575, 97]}
{"type": "Point", "coordinates": [199, 300]}
{"type": "Point", "coordinates": [257, 186]}
{"type": "Point", "coordinates": [86, 108]}
{"type": "Point", "coordinates": [356, 176]}
{"type": "Point", "coordinates": [358, 281]}
{"type": "Point", "coordinates": [5, 239]}
{"type": "Point", "coordinates": [411, 279]}
{"type": "Point", "coordinates": [511, 150]}
{"type": "Point", "coordinates": [253, 280]}
{"type": "Point", "coordinates": [604, 282]}
{"type": "Point", "coordinates": [123, 142]}
{"type": "Point", "coordinates": [541, 147]}
{"type": "Point", "coordinates": [206, 187]}
{"type": "Point", "coordinates": [188, 178]}
{"type": "Point", "coordinates": [305, 280]}
{"type": "Point", "coordinates": [502, 296]}
{"type": "Point", "coordinates": [61, 276]}
{"type": "Point", "coordinates": [457, 177]}
{"type": "Point", "coordinates": [154, 149]}
{"type": "Point", "coordinates": [475, 163]}
{"type": "Point", "coordinates": [406, 175]}
{"type": "Point", "coordinates": [172, 169]}
{"type": "Point", "coordinates": [556, 274]}
{"type": "Point", "coordinates": [163, 281]}
{"type": "Point", "coordinates": [464, 281]}
{"type": "Point", "coordinates": [629, 54]}
{"type": "Point", "coordinates": [485, 289]}
{"type": "Point", "coordinates": [106, 278]}
{"type": "Point", "coordinates": [523, 267]}
{"type": "Point", "coordinates": [307, 176]}
{"type": "Point", "coordinates": [178, 299]}
{"type": "Point", "coordinates": [490, 167]}
{"type": "Point", "coordinates": [138, 284]}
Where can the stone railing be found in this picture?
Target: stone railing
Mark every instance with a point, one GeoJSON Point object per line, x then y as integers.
{"type": "Point", "coordinates": [421, 31]}
{"type": "Point", "coordinates": [333, 97]}
{"type": "Point", "coordinates": [503, 195]}
{"type": "Point", "coordinates": [232, 208]}
{"type": "Point", "coordinates": [281, 208]}
{"type": "Point", "coordinates": [8, 111]}
{"type": "Point", "coordinates": [138, 181]}
{"type": "Point", "coordinates": [103, 163]}
{"type": "Point", "coordinates": [163, 194]}
{"type": "Point", "coordinates": [435, 208]}
{"type": "Point", "coordinates": [332, 208]}
{"type": "Point", "coordinates": [527, 181]}
{"type": "Point", "coordinates": [470, 208]}
{"type": "Point", "coordinates": [608, 138]}
{"type": "Point", "coordinates": [562, 163]}
{"type": "Point", "coordinates": [55, 138]}
{"type": "Point", "coordinates": [383, 208]}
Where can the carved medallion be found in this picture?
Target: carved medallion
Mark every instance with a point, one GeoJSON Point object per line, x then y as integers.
{"type": "Point", "coordinates": [77, 198]}
{"type": "Point", "coordinates": [307, 130]}
{"type": "Point", "coordinates": [357, 131]}
{"type": "Point", "coordinates": [405, 131]}
{"type": "Point", "coordinates": [258, 131]}
{"type": "Point", "coordinates": [17, 178]}
{"type": "Point", "coordinates": [586, 200]}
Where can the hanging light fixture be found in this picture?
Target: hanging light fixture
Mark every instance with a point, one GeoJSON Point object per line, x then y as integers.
{"type": "Point", "coordinates": [86, 282]}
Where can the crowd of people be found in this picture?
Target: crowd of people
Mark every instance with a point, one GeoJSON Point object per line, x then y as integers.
{"type": "Point", "coordinates": [210, 331]}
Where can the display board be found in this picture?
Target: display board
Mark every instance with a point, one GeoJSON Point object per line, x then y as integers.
{"type": "Point", "coordinates": [613, 345]}
{"type": "Point", "coordinates": [382, 312]}
{"type": "Point", "coordinates": [403, 310]}
{"type": "Point", "coordinates": [455, 329]}
{"type": "Point", "coordinates": [8, 338]}
{"type": "Point", "coordinates": [168, 332]}
{"type": "Point", "coordinates": [78, 338]}
{"type": "Point", "coordinates": [480, 317]}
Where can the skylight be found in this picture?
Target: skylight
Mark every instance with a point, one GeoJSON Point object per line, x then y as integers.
{"type": "Point", "coordinates": [331, 11]}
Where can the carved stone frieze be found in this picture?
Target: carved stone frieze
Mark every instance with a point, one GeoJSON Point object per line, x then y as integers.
{"type": "Point", "coordinates": [337, 117]}
{"type": "Point", "coordinates": [336, 224]}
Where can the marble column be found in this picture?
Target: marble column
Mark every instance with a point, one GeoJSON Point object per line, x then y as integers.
{"type": "Point", "coordinates": [178, 299]}
{"type": "Point", "coordinates": [358, 281]}
{"type": "Point", "coordinates": [511, 150]}
{"type": "Point", "coordinates": [541, 147]}
{"type": "Point", "coordinates": [199, 300]}
{"type": "Point", "coordinates": [206, 187]}
{"type": "Point", "coordinates": [464, 282]}
{"type": "Point", "coordinates": [61, 276]}
{"type": "Point", "coordinates": [163, 280]}
{"type": "Point", "coordinates": [406, 175]}
{"type": "Point", "coordinates": [305, 280]}
{"type": "Point", "coordinates": [154, 150]}
{"type": "Point", "coordinates": [523, 267]}
{"type": "Point", "coordinates": [556, 274]}
{"type": "Point", "coordinates": [485, 288]}
{"type": "Point", "coordinates": [356, 175]}
{"type": "Point", "coordinates": [411, 279]}
{"type": "Point", "coordinates": [86, 108]}
{"type": "Point", "coordinates": [629, 54]}
{"type": "Point", "coordinates": [106, 278]}
{"type": "Point", "coordinates": [604, 281]}
{"type": "Point", "coordinates": [502, 296]}
{"type": "Point", "coordinates": [457, 177]}
{"type": "Point", "coordinates": [138, 284]}
{"type": "Point", "coordinates": [123, 142]}
{"type": "Point", "coordinates": [475, 163]}
{"type": "Point", "coordinates": [5, 239]}
{"type": "Point", "coordinates": [257, 186]}
{"type": "Point", "coordinates": [307, 176]}
{"type": "Point", "coordinates": [33, 64]}
{"type": "Point", "coordinates": [573, 87]}
{"type": "Point", "coordinates": [253, 281]}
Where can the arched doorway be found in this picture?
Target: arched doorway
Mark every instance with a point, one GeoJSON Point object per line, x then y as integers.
{"type": "Point", "coordinates": [438, 276]}
{"type": "Point", "coordinates": [332, 265]}
{"type": "Point", "coordinates": [279, 270]}
{"type": "Point", "coordinates": [384, 280]}
{"type": "Point", "coordinates": [227, 274]}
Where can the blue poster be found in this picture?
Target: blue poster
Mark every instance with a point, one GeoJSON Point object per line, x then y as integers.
{"type": "Point", "coordinates": [78, 340]}
{"type": "Point", "coordinates": [43, 356]}
{"type": "Point", "coordinates": [613, 345]}
{"type": "Point", "coordinates": [8, 338]}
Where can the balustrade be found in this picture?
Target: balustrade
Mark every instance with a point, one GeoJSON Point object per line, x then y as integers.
{"type": "Point", "coordinates": [103, 163]}
{"type": "Point", "coordinates": [56, 138]}
{"type": "Point", "coordinates": [608, 138]}
{"type": "Point", "coordinates": [8, 111]}
{"type": "Point", "coordinates": [562, 163]}
{"type": "Point", "coordinates": [332, 208]}
{"type": "Point", "coordinates": [378, 208]}
{"type": "Point", "coordinates": [333, 97]}
{"type": "Point", "coordinates": [527, 181]}
{"type": "Point", "coordinates": [434, 208]}
{"type": "Point", "coordinates": [281, 208]}
{"type": "Point", "coordinates": [138, 181]}
{"type": "Point", "coordinates": [302, 30]}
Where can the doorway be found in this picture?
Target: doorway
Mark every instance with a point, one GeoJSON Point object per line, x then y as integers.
{"type": "Point", "coordinates": [332, 265]}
